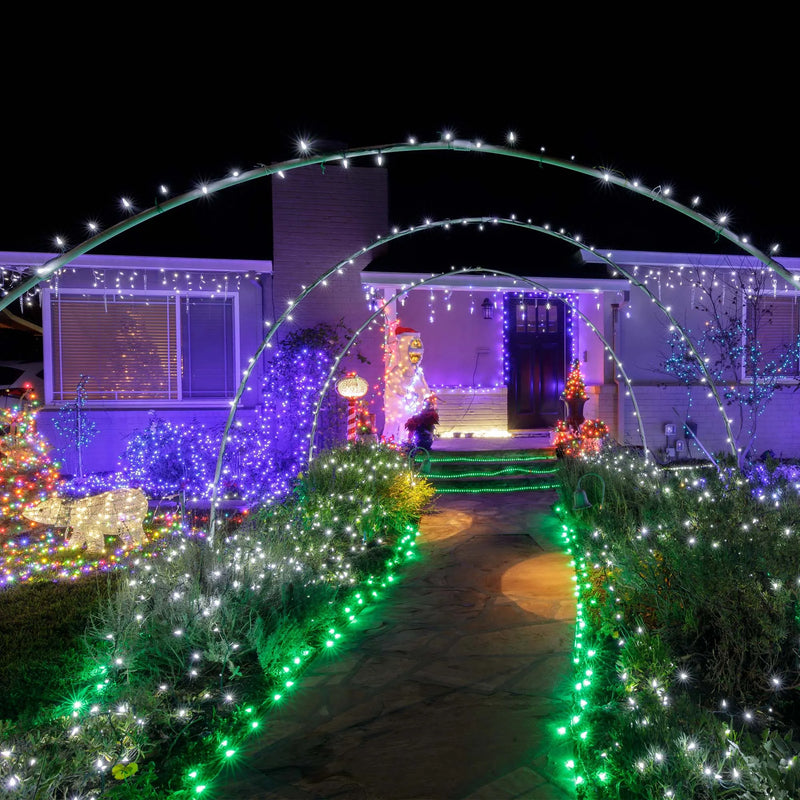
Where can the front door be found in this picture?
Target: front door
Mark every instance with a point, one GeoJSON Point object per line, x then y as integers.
{"type": "Point", "coordinates": [537, 348]}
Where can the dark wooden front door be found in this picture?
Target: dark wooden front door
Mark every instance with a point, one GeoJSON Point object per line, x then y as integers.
{"type": "Point", "coordinates": [537, 347]}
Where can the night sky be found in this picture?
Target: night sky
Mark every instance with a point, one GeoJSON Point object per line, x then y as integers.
{"type": "Point", "coordinates": [133, 133]}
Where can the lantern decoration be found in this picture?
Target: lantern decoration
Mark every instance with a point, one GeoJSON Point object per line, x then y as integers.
{"type": "Point", "coordinates": [352, 388]}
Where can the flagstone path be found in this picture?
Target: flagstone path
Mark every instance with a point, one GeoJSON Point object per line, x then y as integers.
{"type": "Point", "coordinates": [452, 686]}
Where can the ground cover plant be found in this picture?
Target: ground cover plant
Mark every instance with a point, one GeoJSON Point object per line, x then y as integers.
{"type": "Point", "coordinates": [188, 653]}
{"type": "Point", "coordinates": [688, 641]}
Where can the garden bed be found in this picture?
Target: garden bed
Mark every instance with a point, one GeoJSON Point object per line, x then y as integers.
{"type": "Point", "coordinates": [686, 649]}
{"type": "Point", "coordinates": [186, 652]}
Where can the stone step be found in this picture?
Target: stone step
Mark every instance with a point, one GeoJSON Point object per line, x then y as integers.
{"type": "Point", "coordinates": [489, 471]}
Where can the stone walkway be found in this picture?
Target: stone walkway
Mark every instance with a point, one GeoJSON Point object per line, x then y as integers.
{"type": "Point", "coordinates": [449, 688]}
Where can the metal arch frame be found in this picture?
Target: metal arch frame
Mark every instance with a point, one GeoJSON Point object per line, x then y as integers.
{"type": "Point", "coordinates": [341, 265]}
{"type": "Point", "coordinates": [462, 271]}
{"type": "Point", "coordinates": [456, 145]}
{"type": "Point", "coordinates": [570, 240]}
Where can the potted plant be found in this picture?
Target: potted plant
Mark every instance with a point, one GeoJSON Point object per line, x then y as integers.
{"type": "Point", "coordinates": [420, 426]}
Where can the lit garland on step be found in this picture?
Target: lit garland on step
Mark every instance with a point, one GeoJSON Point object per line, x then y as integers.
{"type": "Point", "coordinates": [491, 459]}
{"type": "Point", "coordinates": [493, 474]}
{"type": "Point", "coordinates": [484, 489]}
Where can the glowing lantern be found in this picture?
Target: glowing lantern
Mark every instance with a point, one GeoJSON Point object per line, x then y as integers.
{"type": "Point", "coordinates": [352, 388]}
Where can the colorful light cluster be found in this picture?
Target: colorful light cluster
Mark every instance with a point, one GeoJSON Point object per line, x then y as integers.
{"type": "Point", "coordinates": [27, 473]}
{"type": "Point", "coordinates": [574, 387]}
{"type": "Point", "coordinates": [28, 477]}
{"type": "Point", "coordinates": [576, 436]}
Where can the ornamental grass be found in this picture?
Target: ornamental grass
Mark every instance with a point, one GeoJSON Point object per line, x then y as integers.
{"type": "Point", "coordinates": [687, 649]}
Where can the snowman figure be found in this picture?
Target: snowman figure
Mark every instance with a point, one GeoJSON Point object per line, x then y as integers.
{"type": "Point", "coordinates": [406, 387]}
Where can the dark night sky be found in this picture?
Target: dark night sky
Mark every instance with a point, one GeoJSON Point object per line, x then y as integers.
{"type": "Point", "coordinates": [68, 162]}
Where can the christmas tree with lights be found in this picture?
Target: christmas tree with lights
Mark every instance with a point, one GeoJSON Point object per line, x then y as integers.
{"type": "Point", "coordinates": [28, 474]}
{"type": "Point", "coordinates": [577, 435]}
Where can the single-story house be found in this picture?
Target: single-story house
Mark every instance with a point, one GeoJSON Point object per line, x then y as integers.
{"type": "Point", "coordinates": [175, 335]}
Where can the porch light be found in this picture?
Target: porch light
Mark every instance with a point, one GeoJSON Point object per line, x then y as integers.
{"type": "Point", "coordinates": [488, 308]}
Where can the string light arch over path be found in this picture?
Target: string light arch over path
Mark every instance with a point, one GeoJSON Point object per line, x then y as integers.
{"type": "Point", "coordinates": [472, 270]}
{"type": "Point", "coordinates": [446, 144]}
{"type": "Point", "coordinates": [398, 234]}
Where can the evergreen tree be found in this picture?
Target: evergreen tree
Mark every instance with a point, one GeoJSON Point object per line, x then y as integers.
{"type": "Point", "coordinates": [28, 474]}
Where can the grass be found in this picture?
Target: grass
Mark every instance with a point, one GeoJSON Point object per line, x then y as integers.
{"type": "Point", "coordinates": [41, 640]}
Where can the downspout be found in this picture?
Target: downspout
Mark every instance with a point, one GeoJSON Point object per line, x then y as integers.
{"type": "Point", "coordinates": [267, 316]}
{"type": "Point", "coordinates": [619, 422]}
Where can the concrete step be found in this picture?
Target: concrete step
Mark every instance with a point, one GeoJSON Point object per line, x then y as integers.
{"type": "Point", "coordinates": [489, 471]}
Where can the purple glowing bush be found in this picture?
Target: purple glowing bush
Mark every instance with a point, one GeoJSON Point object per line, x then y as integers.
{"type": "Point", "coordinates": [263, 457]}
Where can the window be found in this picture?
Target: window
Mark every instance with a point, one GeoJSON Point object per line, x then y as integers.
{"type": "Point", "coordinates": [776, 326]}
{"type": "Point", "coordinates": [143, 346]}
{"type": "Point", "coordinates": [536, 316]}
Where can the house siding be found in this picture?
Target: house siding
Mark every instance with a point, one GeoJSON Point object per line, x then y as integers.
{"type": "Point", "coordinates": [116, 423]}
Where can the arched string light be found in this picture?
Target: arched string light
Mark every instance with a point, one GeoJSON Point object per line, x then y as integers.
{"type": "Point", "coordinates": [446, 144]}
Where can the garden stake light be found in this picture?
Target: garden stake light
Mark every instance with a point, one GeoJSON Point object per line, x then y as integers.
{"type": "Point", "coordinates": [580, 500]}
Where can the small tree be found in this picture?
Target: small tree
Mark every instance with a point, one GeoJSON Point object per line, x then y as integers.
{"type": "Point", "coordinates": [576, 435]}
{"type": "Point", "coordinates": [73, 424]}
{"type": "Point", "coordinates": [28, 474]}
{"type": "Point", "coordinates": [745, 362]}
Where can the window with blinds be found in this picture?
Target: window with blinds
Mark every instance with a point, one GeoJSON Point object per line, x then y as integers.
{"type": "Point", "coordinates": [142, 347]}
{"type": "Point", "coordinates": [776, 329]}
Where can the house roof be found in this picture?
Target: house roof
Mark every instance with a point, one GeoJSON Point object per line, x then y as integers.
{"type": "Point", "coordinates": [678, 260]}
{"type": "Point", "coordinates": [26, 263]}
{"type": "Point", "coordinates": [493, 282]}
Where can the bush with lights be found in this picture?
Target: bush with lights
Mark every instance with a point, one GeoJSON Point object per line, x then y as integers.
{"type": "Point", "coordinates": [685, 650]}
{"type": "Point", "coordinates": [262, 457]}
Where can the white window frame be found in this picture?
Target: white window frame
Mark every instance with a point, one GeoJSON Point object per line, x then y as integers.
{"type": "Point", "coordinates": [47, 323]}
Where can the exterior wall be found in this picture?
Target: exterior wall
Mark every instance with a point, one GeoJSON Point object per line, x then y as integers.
{"type": "Point", "coordinates": [320, 218]}
{"type": "Point", "coordinates": [462, 349]}
{"type": "Point", "coordinates": [115, 423]}
{"type": "Point", "coordinates": [464, 354]}
{"type": "Point", "coordinates": [663, 399]}
{"type": "Point", "coordinates": [115, 427]}
{"type": "Point", "coordinates": [658, 404]}
{"type": "Point", "coordinates": [477, 412]}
